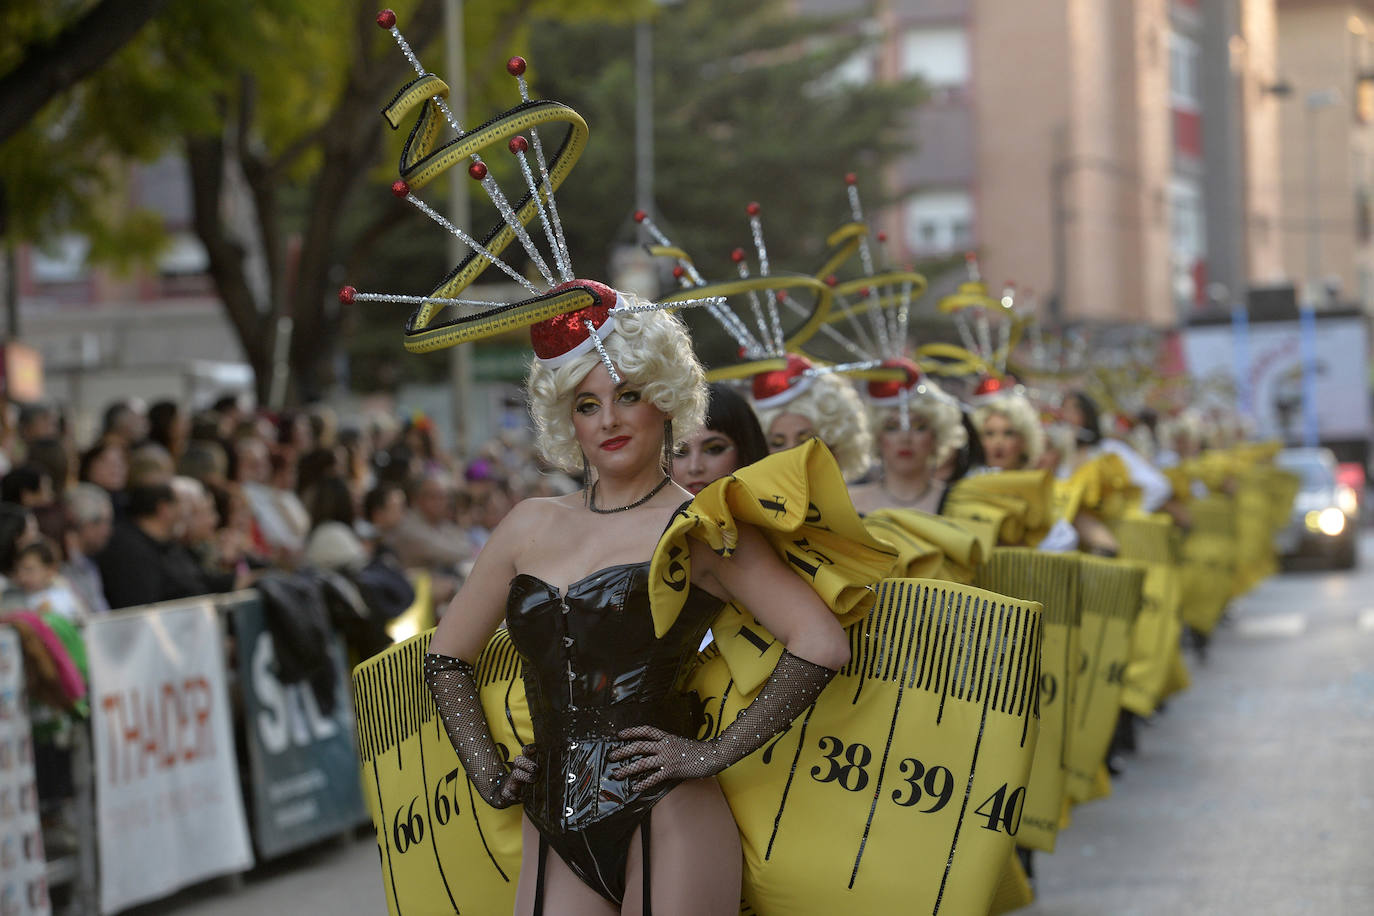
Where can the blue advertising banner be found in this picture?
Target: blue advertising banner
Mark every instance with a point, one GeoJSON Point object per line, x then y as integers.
{"type": "Point", "coordinates": [304, 764]}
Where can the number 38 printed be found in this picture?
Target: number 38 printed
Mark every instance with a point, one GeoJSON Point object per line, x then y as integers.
{"type": "Point", "coordinates": [926, 788]}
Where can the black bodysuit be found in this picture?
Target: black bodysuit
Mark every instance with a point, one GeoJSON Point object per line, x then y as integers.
{"type": "Point", "coordinates": [592, 667]}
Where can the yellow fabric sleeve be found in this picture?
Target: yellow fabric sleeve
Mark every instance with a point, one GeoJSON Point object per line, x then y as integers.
{"type": "Point", "coordinates": [798, 501]}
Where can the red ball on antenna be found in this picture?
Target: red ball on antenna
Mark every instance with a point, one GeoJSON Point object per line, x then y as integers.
{"type": "Point", "coordinates": [679, 272]}
{"type": "Point", "coordinates": [516, 66]}
{"type": "Point", "coordinates": [864, 292]}
{"type": "Point", "coordinates": [400, 188]}
{"type": "Point", "coordinates": [851, 178]}
{"type": "Point", "coordinates": [347, 294]}
{"type": "Point", "coordinates": [640, 216]}
{"type": "Point", "coordinates": [882, 236]}
{"type": "Point", "coordinates": [753, 208]}
{"type": "Point", "coordinates": [477, 171]}
{"type": "Point", "coordinates": [386, 19]}
{"type": "Point", "coordinates": [518, 144]}
{"type": "Point", "coordinates": [737, 255]}
{"type": "Point", "coordinates": [832, 280]}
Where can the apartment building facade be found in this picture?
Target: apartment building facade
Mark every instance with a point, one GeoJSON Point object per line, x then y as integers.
{"type": "Point", "coordinates": [1116, 159]}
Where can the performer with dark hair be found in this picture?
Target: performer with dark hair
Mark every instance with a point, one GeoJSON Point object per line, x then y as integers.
{"type": "Point", "coordinates": [730, 439]}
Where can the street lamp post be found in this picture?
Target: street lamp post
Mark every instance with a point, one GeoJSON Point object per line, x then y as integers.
{"type": "Point", "coordinates": [460, 358]}
{"type": "Point", "coordinates": [1314, 102]}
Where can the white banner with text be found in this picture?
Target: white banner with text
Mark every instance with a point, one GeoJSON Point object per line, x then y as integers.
{"type": "Point", "coordinates": [169, 809]}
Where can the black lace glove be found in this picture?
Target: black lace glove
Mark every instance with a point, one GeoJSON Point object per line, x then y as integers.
{"type": "Point", "coordinates": [454, 687]}
{"type": "Point", "coordinates": [794, 685]}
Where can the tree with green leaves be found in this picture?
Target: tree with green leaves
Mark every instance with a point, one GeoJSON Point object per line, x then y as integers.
{"type": "Point", "coordinates": [274, 107]}
{"type": "Point", "coordinates": [750, 104]}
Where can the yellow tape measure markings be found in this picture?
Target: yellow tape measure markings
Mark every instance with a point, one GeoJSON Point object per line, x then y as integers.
{"type": "Point", "coordinates": [1002, 613]}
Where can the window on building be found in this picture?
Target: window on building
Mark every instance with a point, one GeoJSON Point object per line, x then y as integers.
{"type": "Point", "coordinates": [939, 221]}
{"type": "Point", "coordinates": [1183, 73]}
{"type": "Point", "coordinates": [61, 261]}
{"type": "Point", "coordinates": [937, 56]}
{"type": "Point", "coordinates": [1188, 233]}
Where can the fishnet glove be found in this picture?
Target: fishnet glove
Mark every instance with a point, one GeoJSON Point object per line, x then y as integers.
{"type": "Point", "coordinates": [454, 687]}
{"type": "Point", "coordinates": [794, 685]}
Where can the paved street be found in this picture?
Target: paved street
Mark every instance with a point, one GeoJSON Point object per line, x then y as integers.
{"type": "Point", "coordinates": [1251, 795]}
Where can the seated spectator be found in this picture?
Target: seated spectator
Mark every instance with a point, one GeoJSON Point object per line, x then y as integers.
{"type": "Point", "coordinates": [90, 518]}
{"type": "Point", "coordinates": [169, 427]}
{"type": "Point", "coordinates": [18, 528]}
{"type": "Point", "coordinates": [279, 517]}
{"type": "Point", "coordinates": [204, 460]}
{"type": "Point", "coordinates": [314, 466]}
{"type": "Point", "coordinates": [143, 563]}
{"type": "Point", "coordinates": [333, 544]}
{"type": "Point", "coordinates": [150, 464]}
{"type": "Point", "coordinates": [37, 421]}
{"type": "Point", "coordinates": [54, 457]}
{"type": "Point", "coordinates": [383, 508]}
{"type": "Point", "coordinates": [230, 411]}
{"type": "Point", "coordinates": [427, 537]}
{"type": "Point", "coordinates": [493, 506]}
{"type": "Point", "coordinates": [126, 422]}
{"type": "Point", "coordinates": [106, 464]}
{"type": "Point", "coordinates": [38, 587]}
{"type": "Point", "coordinates": [27, 485]}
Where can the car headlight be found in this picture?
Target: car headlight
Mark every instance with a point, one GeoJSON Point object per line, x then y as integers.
{"type": "Point", "coordinates": [1347, 500]}
{"type": "Point", "coordinates": [1331, 521]}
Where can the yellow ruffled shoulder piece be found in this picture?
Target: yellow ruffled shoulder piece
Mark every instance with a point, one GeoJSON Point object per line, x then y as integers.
{"type": "Point", "coordinates": [1019, 503]}
{"type": "Point", "coordinates": [798, 501]}
{"type": "Point", "coordinates": [1180, 482]}
{"type": "Point", "coordinates": [1100, 484]}
{"type": "Point", "coordinates": [928, 546]}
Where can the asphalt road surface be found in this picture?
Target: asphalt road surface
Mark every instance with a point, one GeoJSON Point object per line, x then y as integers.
{"type": "Point", "coordinates": [1251, 794]}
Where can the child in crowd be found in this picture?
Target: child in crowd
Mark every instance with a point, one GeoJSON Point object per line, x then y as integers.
{"type": "Point", "coordinates": [38, 587]}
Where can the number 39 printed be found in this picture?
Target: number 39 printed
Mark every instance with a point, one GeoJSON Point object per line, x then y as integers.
{"type": "Point", "coordinates": [932, 786]}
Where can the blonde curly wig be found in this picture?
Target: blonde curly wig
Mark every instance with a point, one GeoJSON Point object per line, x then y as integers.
{"type": "Point", "coordinates": [1021, 414]}
{"type": "Point", "coordinates": [944, 416]}
{"type": "Point", "coordinates": [650, 349]}
{"type": "Point", "coordinates": [838, 417]}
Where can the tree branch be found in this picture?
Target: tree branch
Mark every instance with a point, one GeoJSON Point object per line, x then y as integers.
{"type": "Point", "coordinates": [205, 162]}
{"type": "Point", "coordinates": [78, 50]}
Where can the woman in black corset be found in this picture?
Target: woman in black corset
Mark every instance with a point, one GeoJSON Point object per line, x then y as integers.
{"type": "Point", "coordinates": [614, 737]}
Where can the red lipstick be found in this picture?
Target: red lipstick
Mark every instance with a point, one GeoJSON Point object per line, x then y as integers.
{"type": "Point", "coordinates": [615, 443]}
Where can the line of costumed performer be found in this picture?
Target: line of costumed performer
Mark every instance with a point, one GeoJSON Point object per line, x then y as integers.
{"type": "Point", "coordinates": [602, 763]}
{"type": "Point", "coordinates": [968, 492]}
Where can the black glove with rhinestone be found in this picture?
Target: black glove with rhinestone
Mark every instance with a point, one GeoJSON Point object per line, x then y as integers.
{"type": "Point", "coordinates": [454, 687]}
{"type": "Point", "coordinates": [794, 685]}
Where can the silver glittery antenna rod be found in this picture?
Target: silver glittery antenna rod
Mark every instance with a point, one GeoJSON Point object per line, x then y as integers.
{"type": "Point", "coordinates": [860, 335]}
{"type": "Point", "coordinates": [756, 229]}
{"type": "Point", "coordinates": [402, 190]}
{"type": "Point", "coordinates": [901, 316]}
{"type": "Point", "coordinates": [1008, 302]}
{"type": "Point", "coordinates": [765, 333]}
{"type": "Point", "coordinates": [386, 19]}
{"type": "Point", "coordinates": [553, 226]}
{"type": "Point", "coordinates": [723, 315]}
{"type": "Point", "coordinates": [875, 314]}
{"type": "Point", "coordinates": [960, 316]}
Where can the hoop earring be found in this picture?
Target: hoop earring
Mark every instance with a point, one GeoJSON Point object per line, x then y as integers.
{"type": "Point", "coordinates": [669, 447]}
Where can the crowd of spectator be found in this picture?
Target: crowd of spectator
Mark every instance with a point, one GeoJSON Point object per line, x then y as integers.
{"type": "Point", "coordinates": [164, 503]}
